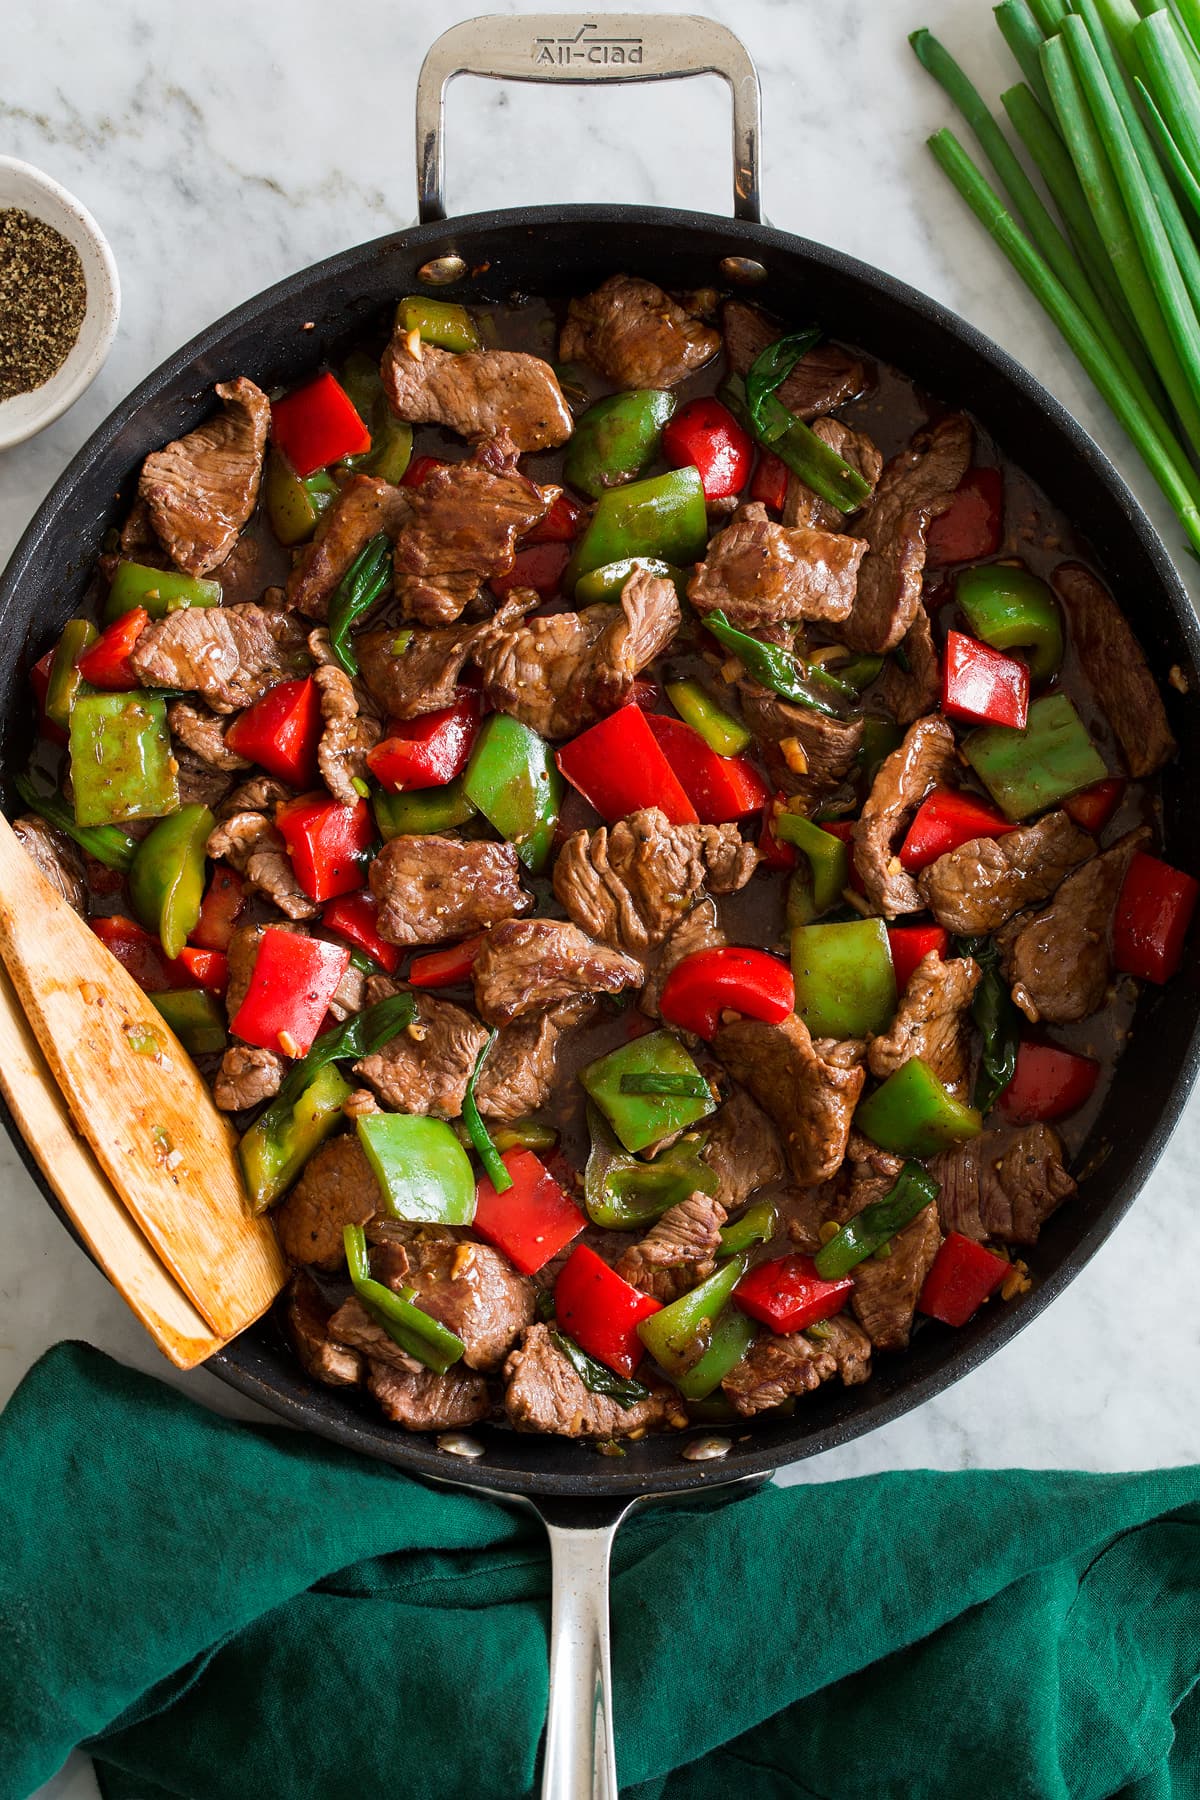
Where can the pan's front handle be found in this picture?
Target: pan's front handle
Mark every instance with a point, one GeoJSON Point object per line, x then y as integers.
{"type": "Point", "coordinates": [589, 47]}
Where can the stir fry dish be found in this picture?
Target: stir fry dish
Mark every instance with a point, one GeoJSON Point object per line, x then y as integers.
{"type": "Point", "coordinates": [650, 826]}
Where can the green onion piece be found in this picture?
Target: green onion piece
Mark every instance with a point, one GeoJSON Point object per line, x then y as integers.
{"type": "Point", "coordinates": [487, 1152]}
{"type": "Point", "coordinates": [1189, 186]}
{"type": "Point", "coordinates": [649, 1081]}
{"type": "Point", "coordinates": [1049, 14]}
{"type": "Point", "coordinates": [406, 1324]}
{"type": "Point", "coordinates": [769, 665]}
{"type": "Point", "coordinates": [1023, 35]}
{"type": "Point", "coordinates": [107, 843]}
{"type": "Point", "coordinates": [864, 1234]}
{"type": "Point", "coordinates": [997, 1020]}
{"type": "Point", "coordinates": [362, 1035]}
{"type": "Point", "coordinates": [596, 1378]}
{"type": "Point", "coordinates": [768, 372]}
{"type": "Point", "coordinates": [1169, 76]}
{"type": "Point", "coordinates": [356, 593]}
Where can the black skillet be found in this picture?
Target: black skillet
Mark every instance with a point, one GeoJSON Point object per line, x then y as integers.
{"type": "Point", "coordinates": [279, 337]}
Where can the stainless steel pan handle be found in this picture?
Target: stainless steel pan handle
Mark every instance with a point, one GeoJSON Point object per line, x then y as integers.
{"type": "Point", "coordinates": [595, 47]}
{"type": "Point", "coordinates": [580, 1759]}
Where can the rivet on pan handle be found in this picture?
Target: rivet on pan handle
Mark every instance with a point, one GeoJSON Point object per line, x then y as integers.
{"type": "Point", "coordinates": [597, 47]}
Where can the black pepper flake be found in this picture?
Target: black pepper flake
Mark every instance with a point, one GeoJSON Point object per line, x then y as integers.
{"type": "Point", "coordinates": [43, 297]}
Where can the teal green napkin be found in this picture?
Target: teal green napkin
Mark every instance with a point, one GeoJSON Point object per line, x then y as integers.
{"type": "Point", "coordinates": [224, 1612]}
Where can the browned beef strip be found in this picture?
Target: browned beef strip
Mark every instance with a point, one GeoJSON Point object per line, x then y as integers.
{"type": "Point", "coordinates": [260, 794]}
{"type": "Point", "coordinates": [910, 693]}
{"type": "Point", "coordinates": [543, 1393]}
{"type": "Point", "coordinates": [635, 335]}
{"type": "Point", "coordinates": [477, 393]}
{"type": "Point", "coordinates": [466, 519]}
{"type": "Point", "coordinates": [775, 1368]}
{"type": "Point", "coordinates": [364, 508]}
{"type": "Point", "coordinates": [346, 735]}
{"type": "Point", "coordinates": [432, 890]}
{"type": "Point", "coordinates": [926, 759]}
{"type": "Point", "coordinates": [203, 733]}
{"type": "Point", "coordinates": [520, 1070]}
{"type": "Point", "coordinates": [352, 1324]}
{"type": "Point", "coordinates": [915, 488]}
{"type": "Point", "coordinates": [698, 930]}
{"type": "Point", "coordinates": [932, 1022]}
{"type": "Point", "coordinates": [57, 858]}
{"type": "Point", "coordinates": [814, 753]}
{"type": "Point", "coordinates": [886, 1292]}
{"type": "Point", "coordinates": [198, 782]}
{"type": "Point", "coordinates": [629, 884]}
{"type": "Point", "coordinates": [1004, 1184]}
{"type": "Point", "coordinates": [475, 1292]}
{"type": "Point", "coordinates": [742, 1150]}
{"type": "Point", "coordinates": [425, 1068]}
{"type": "Point", "coordinates": [562, 672]}
{"type": "Point", "coordinates": [824, 379]}
{"type": "Point", "coordinates": [308, 1315]}
{"type": "Point", "coordinates": [759, 573]}
{"type": "Point", "coordinates": [230, 654]}
{"type": "Point", "coordinates": [249, 843]}
{"type": "Point", "coordinates": [247, 1076]}
{"type": "Point", "coordinates": [1116, 667]}
{"type": "Point", "coordinates": [802, 506]}
{"type": "Point", "coordinates": [1058, 959]}
{"type": "Point", "coordinates": [421, 675]}
{"type": "Point", "coordinates": [139, 541]}
{"type": "Point", "coordinates": [979, 886]}
{"type": "Point", "coordinates": [809, 1089]}
{"type": "Point", "coordinates": [679, 1250]}
{"type": "Point", "coordinates": [200, 489]}
{"type": "Point", "coordinates": [337, 1188]}
{"type": "Point", "coordinates": [529, 965]}
{"type": "Point", "coordinates": [349, 996]}
{"type": "Point", "coordinates": [421, 1400]}
{"type": "Point", "coordinates": [872, 1174]}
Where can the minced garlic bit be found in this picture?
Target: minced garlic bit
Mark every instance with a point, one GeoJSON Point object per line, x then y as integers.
{"type": "Point", "coordinates": [416, 1031]}
{"type": "Point", "coordinates": [1016, 1282]}
{"type": "Point", "coordinates": [464, 1256]}
{"type": "Point", "coordinates": [731, 668]}
{"type": "Point", "coordinates": [794, 755]}
{"type": "Point", "coordinates": [412, 343]}
{"type": "Point", "coordinates": [288, 1044]}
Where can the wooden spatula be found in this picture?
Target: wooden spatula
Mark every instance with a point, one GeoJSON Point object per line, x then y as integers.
{"type": "Point", "coordinates": [135, 1095]}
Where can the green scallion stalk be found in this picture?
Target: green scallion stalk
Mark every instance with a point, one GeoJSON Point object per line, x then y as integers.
{"type": "Point", "coordinates": [1023, 35]}
{"type": "Point", "coordinates": [486, 1151]}
{"type": "Point", "coordinates": [416, 1331]}
{"type": "Point", "coordinates": [771, 666]}
{"type": "Point", "coordinates": [1188, 185]}
{"type": "Point", "coordinates": [1170, 79]}
{"type": "Point", "coordinates": [356, 593]}
{"type": "Point", "coordinates": [1189, 20]}
{"type": "Point", "coordinates": [107, 843]}
{"type": "Point", "coordinates": [1120, 17]}
{"type": "Point", "coordinates": [649, 1081]}
{"type": "Point", "coordinates": [1049, 14]}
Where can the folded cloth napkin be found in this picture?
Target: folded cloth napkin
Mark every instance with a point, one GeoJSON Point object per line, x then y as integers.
{"type": "Point", "coordinates": [224, 1612]}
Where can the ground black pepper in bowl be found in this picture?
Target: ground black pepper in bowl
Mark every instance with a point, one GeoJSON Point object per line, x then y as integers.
{"type": "Point", "coordinates": [43, 298]}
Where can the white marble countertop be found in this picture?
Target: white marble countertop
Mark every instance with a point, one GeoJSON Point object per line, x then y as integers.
{"type": "Point", "coordinates": [221, 149]}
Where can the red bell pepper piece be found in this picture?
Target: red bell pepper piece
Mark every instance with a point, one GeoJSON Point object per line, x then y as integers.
{"type": "Point", "coordinates": [560, 525]}
{"type": "Point", "coordinates": [962, 1277]}
{"type": "Point", "coordinates": [769, 482]}
{"type": "Point", "coordinates": [327, 843]}
{"type": "Point", "coordinates": [945, 820]}
{"type": "Point", "coordinates": [601, 1311]}
{"type": "Point", "coordinates": [773, 853]}
{"type": "Point", "coordinates": [420, 468]}
{"type": "Point", "coordinates": [355, 916]}
{"type": "Point", "coordinates": [972, 526]}
{"type": "Point", "coordinates": [703, 986]}
{"type": "Point", "coordinates": [982, 685]}
{"type": "Point", "coordinates": [532, 1220]}
{"type": "Point", "coordinates": [1154, 910]}
{"type": "Point", "coordinates": [844, 829]}
{"type": "Point", "coordinates": [206, 968]}
{"type": "Point", "coordinates": [428, 751]}
{"type": "Point", "coordinates": [720, 788]}
{"type": "Point", "coordinates": [1095, 806]}
{"type": "Point", "coordinates": [138, 952]}
{"type": "Point", "coordinates": [619, 767]}
{"type": "Point", "coordinates": [788, 1294]}
{"type": "Point", "coordinates": [706, 434]}
{"type": "Point", "coordinates": [910, 943]}
{"type": "Point", "coordinates": [316, 425]}
{"type": "Point", "coordinates": [293, 980]}
{"type": "Point", "coordinates": [539, 567]}
{"type": "Point", "coordinates": [1047, 1083]}
{"type": "Point", "coordinates": [220, 910]}
{"type": "Point", "coordinates": [281, 732]}
{"type": "Point", "coordinates": [445, 968]}
{"type": "Point", "coordinates": [39, 681]}
{"type": "Point", "coordinates": [106, 665]}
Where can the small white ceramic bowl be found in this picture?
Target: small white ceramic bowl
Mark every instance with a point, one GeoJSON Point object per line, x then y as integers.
{"type": "Point", "coordinates": [23, 186]}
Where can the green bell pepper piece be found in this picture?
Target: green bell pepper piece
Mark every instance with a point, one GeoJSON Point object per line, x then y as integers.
{"type": "Point", "coordinates": [616, 438]}
{"type": "Point", "coordinates": [828, 866]}
{"type": "Point", "coordinates": [664, 517]}
{"type": "Point", "coordinates": [166, 882]}
{"type": "Point", "coordinates": [607, 583]}
{"type": "Point", "coordinates": [880, 737]}
{"type": "Point", "coordinates": [109, 845]}
{"type": "Point", "coordinates": [912, 1114]}
{"type": "Point", "coordinates": [514, 781]}
{"type": "Point", "coordinates": [640, 1120]}
{"type": "Point", "coordinates": [678, 1335]}
{"type": "Point", "coordinates": [421, 811]}
{"type": "Point", "coordinates": [623, 1193]}
{"type": "Point", "coordinates": [720, 731]}
{"type": "Point", "coordinates": [279, 1143]}
{"type": "Point", "coordinates": [1028, 771]}
{"type": "Point", "coordinates": [391, 438]}
{"type": "Point", "coordinates": [424, 1174]}
{"type": "Point", "coordinates": [731, 1337]}
{"type": "Point", "coordinates": [160, 591]}
{"type": "Point", "coordinates": [121, 762]}
{"type": "Point", "coordinates": [756, 1226]}
{"type": "Point", "coordinates": [1012, 610]}
{"type": "Point", "coordinates": [845, 980]}
{"type": "Point", "coordinates": [66, 683]}
{"type": "Point", "coordinates": [439, 322]}
{"type": "Point", "coordinates": [878, 1223]}
{"type": "Point", "coordinates": [294, 506]}
{"type": "Point", "coordinates": [196, 1018]}
{"type": "Point", "coordinates": [415, 1330]}
{"type": "Point", "coordinates": [858, 672]}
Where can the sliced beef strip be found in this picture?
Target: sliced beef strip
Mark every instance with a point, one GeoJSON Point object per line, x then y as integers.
{"type": "Point", "coordinates": [629, 884]}
{"type": "Point", "coordinates": [1058, 960]}
{"type": "Point", "coordinates": [346, 736]}
{"type": "Point", "coordinates": [229, 654]}
{"type": "Point", "coordinates": [543, 1393]}
{"type": "Point", "coordinates": [337, 1188]}
{"type": "Point", "coordinates": [809, 754]}
{"type": "Point", "coordinates": [978, 887]}
{"type": "Point", "coordinates": [915, 488]}
{"type": "Point", "coordinates": [742, 1150]}
{"type": "Point", "coordinates": [139, 540]}
{"type": "Point", "coordinates": [364, 508]}
{"type": "Point", "coordinates": [476, 1293]}
{"type": "Point", "coordinates": [519, 1074]}
{"type": "Point", "coordinates": [1003, 1184]}
{"type": "Point", "coordinates": [422, 675]}
{"type": "Point", "coordinates": [425, 1068]}
{"type": "Point", "coordinates": [477, 393]}
{"type": "Point", "coordinates": [910, 693]}
{"type": "Point", "coordinates": [529, 965]}
{"type": "Point", "coordinates": [679, 1250]}
{"type": "Point", "coordinates": [349, 996]}
{"type": "Point", "coordinates": [261, 794]}
{"type": "Point", "coordinates": [203, 733]}
{"type": "Point", "coordinates": [635, 335]}
{"type": "Point", "coordinates": [198, 782]}
{"type": "Point", "coordinates": [809, 1089]}
{"type": "Point", "coordinates": [777, 1367]}
{"type": "Point", "coordinates": [826, 378]}
{"type": "Point", "coordinates": [247, 1076]}
{"type": "Point", "coordinates": [57, 858]}
{"type": "Point", "coordinates": [926, 759]}
{"type": "Point", "coordinates": [932, 1022]}
{"type": "Point", "coordinates": [1116, 667]}
{"type": "Point", "coordinates": [421, 1400]}
{"type": "Point", "coordinates": [886, 1292]}
{"type": "Point", "coordinates": [249, 843]}
{"type": "Point", "coordinates": [433, 890]}
{"type": "Point", "coordinates": [871, 1173]}
{"type": "Point", "coordinates": [698, 930]}
{"type": "Point", "coordinates": [352, 1324]}
{"type": "Point", "coordinates": [307, 1317]}
{"type": "Point", "coordinates": [200, 489]}
{"type": "Point", "coordinates": [466, 519]}
{"type": "Point", "coordinates": [759, 573]}
{"type": "Point", "coordinates": [562, 672]}
{"type": "Point", "coordinates": [802, 506]}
